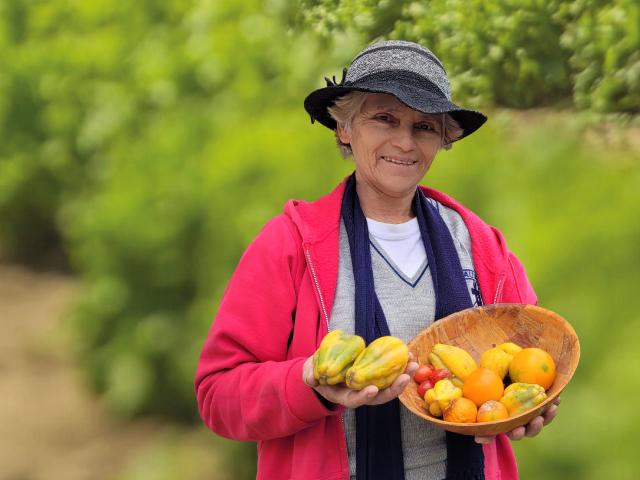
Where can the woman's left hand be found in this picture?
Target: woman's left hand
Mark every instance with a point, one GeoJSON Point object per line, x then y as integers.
{"type": "Point", "coordinates": [532, 428]}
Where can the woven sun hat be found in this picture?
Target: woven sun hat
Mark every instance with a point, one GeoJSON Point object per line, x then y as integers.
{"type": "Point", "coordinates": [410, 72]}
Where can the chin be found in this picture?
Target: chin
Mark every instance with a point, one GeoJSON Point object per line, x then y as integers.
{"type": "Point", "coordinates": [399, 187]}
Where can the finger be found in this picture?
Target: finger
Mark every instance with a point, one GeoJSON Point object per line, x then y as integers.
{"type": "Point", "coordinates": [333, 393]}
{"type": "Point", "coordinates": [483, 440]}
{"type": "Point", "coordinates": [392, 391]}
{"type": "Point", "coordinates": [357, 398]}
{"type": "Point", "coordinates": [557, 400]}
{"type": "Point", "coordinates": [516, 434]}
{"type": "Point", "coordinates": [411, 368]}
{"type": "Point", "coordinates": [534, 427]}
{"type": "Point", "coordinates": [310, 380]}
{"type": "Point", "coordinates": [307, 373]}
{"type": "Point", "coordinates": [550, 414]}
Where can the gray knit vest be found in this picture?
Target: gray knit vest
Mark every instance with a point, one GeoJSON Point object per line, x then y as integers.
{"type": "Point", "coordinates": [409, 306]}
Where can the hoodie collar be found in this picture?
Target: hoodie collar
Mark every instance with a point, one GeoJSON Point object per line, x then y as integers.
{"type": "Point", "coordinates": [316, 220]}
{"type": "Point", "coordinates": [319, 224]}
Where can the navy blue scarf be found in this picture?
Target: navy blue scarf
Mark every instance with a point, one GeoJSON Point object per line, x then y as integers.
{"type": "Point", "coordinates": [378, 436]}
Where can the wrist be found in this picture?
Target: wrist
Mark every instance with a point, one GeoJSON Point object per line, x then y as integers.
{"type": "Point", "coordinates": [326, 403]}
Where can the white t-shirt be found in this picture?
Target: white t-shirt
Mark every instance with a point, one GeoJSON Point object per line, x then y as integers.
{"type": "Point", "coordinates": [402, 242]}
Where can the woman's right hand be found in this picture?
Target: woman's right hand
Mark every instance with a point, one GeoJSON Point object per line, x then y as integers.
{"type": "Point", "coordinates": [371, 395]}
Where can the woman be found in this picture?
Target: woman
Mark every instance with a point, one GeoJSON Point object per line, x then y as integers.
{"type": "Point", "coordinates": [378, 255]}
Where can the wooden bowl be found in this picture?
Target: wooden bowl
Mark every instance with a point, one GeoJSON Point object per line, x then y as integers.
{"type": "Point", "coordinates": [478, 329]}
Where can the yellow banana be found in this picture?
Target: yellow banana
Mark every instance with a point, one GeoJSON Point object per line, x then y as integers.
{"type": "Point", "coordinates": [436, 362]}
{"type": "Point", "coordinates": [454, 359]}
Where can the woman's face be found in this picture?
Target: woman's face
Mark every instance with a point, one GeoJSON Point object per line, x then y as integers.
{"type": "Point", "coordinates": [393, 145]}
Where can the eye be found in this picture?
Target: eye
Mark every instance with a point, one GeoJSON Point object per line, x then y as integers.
{"type": "Point", "coordinates": [383, 117]}
{"type": "Point", "coordinates": [426, 127]}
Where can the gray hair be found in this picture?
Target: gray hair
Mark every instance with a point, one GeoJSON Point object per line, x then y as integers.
{"type": "Point", "coordinates": [346, 107]}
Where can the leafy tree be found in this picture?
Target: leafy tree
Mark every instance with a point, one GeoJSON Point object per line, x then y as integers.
{"type": "Point", "coordinates": [511, 53]}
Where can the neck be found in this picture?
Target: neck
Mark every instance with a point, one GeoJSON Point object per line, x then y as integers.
{"type": "Point", "coordinates": [382, 207]}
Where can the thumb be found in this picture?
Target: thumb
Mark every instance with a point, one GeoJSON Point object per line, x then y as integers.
{"type": "Point", "coordinates": [307, 373]}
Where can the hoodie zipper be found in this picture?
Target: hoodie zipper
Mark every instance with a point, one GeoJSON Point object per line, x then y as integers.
{"type": "Point", "coordinates": [307, 254]}
{"type": "Point", "coordinates": [498, 290]}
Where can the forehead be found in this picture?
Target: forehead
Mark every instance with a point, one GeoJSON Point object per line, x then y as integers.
{"type": "Point", "coordinates": [384, 101]}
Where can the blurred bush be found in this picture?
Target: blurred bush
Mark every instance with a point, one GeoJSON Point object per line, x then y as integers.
{"type": "Point", "coordinates": [512, 53]}
{"type": "Point", "coordinates": [604, 41]}
{"type": "Point", "coordinates": [500, 52]}
{"type": "Point", "coordinates": [152, 141]}
{"type": "Point", "coordinates": [85, 82]}
{"type": "Point", "coordinates": [191, 454]}
{"type": "Point", "coordinates": [210, 148]}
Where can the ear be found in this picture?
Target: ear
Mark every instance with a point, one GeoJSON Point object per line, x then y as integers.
{"type": "Point", "coordinates": [343, 133]}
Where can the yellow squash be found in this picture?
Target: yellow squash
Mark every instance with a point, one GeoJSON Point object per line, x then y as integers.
{"type": "Point", "coordinates": [432, 403]}
{"type": "Point", "coordinates": [379, 364]}
{"type": "Point", "coordinates": [440, 396]}
{"type": "Point", "coordinates": [520, 397]}
{"type": "Point", "coordinates": [444, 391]}
{"type": "Point", "coordinates": [335, 355]}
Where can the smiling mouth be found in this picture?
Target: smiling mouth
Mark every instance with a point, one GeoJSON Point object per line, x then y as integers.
{"type": "Point", "coordinates": [399, 161]}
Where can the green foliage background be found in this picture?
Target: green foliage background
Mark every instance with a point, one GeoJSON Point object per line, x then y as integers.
{"type": "Point", "coordinates": [146, 143]}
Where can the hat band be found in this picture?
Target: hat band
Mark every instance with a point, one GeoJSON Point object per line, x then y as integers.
{"type": "Point", "coordinates": [407, 48]}
{"type": "Point", "coordinates": [384, 78]}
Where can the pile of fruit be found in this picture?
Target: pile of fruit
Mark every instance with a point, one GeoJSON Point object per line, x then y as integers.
{"type": "Point", "coordinates": [455, 388]}
{"type": "Point", "coordinates": [343, 358]}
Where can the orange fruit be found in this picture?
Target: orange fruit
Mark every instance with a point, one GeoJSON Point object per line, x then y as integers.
{"type": "Point", "coordinates": [461, 410]}
{"type": "Point", "coordinates": [482, 385]}
{"type": "Point", "coordinates": [492, 410]}
{"type": "Point", "coordinates": [533, 365]}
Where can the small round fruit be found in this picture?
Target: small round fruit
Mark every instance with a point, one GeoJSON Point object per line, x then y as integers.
{"type": "Point", "coordinates": [423, 373]}
{"type": "Point", "coordinates": [483, 385]}
{"type": "Point", "coordinates": [510, 348]}
{"type": "Point", "coordinates": [430, 396]}
{"type": "Point", "coordinates": [423, 387]}
{"type": "Point", "coordinates": [440, 374]}
{"type": "Point", "coordinates": [496, 360]}
{"type": "Point", "coordinates": [435, 410]}
{"type": "Point", "coordinates": [491, 410]}
{"type": "Point", "coordinates": [533, 365]}
{"type": "Point", "coordinates": [461, 410]}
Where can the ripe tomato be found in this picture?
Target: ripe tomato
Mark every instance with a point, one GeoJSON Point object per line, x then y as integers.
{"type": "Point", "coordinates": [423, 387]}
{"type": "Point", "coordinates": [423, 373]}
{"type": "Point", "coordinates": [439, 374]}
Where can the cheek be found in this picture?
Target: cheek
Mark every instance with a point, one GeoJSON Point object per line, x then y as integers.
{"type": "Point", "coordinates": [367, 151]}
{"type": "Point", "coordinates": [430, 150]}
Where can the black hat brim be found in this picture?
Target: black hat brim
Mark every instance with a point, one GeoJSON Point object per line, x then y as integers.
{"type": "Point", "coordinates": [419, 95]}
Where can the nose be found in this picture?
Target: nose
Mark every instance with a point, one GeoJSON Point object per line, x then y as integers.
{"type": "Point", "coordinates": [403, 138]}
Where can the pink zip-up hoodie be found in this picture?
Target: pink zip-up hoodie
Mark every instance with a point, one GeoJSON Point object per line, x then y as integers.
{"type": "Point", "coordinates": [272, 317]}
